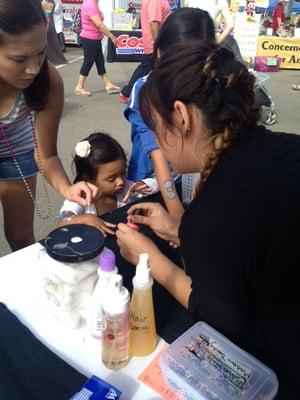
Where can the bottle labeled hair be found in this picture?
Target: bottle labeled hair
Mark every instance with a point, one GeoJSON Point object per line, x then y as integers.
{"type": "Point", "coordinates": [107, 267]}
{"type": "Point", "coordinates": [142, 323]}
{"type": "Point", "coordinates": [115, 337]}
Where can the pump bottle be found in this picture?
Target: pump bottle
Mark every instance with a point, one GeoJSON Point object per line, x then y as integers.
{"type": "Point", "coordinates": [115, 337]}
{"type": "Point", "coordinates": [142, 323]}
{"type": "Point", "coordinates": [106, 268]}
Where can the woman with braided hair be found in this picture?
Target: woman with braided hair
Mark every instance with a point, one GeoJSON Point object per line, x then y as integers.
{"type": "Point", "coordinates": [239, 237]}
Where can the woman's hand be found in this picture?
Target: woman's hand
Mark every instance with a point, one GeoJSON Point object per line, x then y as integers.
{"type": "Point", "coordinates": [133, 243]}
{"type": "Point", "coordinates": [83, 193]}
{"type": "Point", "coordinates": [137, 187]}
{"type": "Point", "coordinates": [157, 218]}
{"type": "Point", "coordinates": [169, 275]}
{"type": "Point", "coordinates": [114, 39]}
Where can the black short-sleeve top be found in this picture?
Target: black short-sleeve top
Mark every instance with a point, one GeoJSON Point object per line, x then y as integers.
{"type": "Point", "coordinates": [240, 243]}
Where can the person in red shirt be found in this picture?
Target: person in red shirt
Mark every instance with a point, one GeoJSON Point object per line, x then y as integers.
{"type": "Point", "coordinates": [153, 15]}
{"type": "Point", "coordinates": [278, 16]}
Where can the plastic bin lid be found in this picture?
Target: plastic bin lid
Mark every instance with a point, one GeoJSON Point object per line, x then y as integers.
{"type": "Point", "coordinates": [203, 364]}
{"type": "Point", "coordinates": [74, 243]}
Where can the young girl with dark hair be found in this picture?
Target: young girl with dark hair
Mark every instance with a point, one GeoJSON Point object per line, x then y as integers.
{"type": "Point", "coordinates": [31, 102]}
{"type": "Point", "coordinates": [239, 237]}
{"type": "Point", "coordinates": [100, 160]}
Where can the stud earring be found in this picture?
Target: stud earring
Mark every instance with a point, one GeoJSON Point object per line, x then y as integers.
{"type": "Point", "coordinates": [186, 131]}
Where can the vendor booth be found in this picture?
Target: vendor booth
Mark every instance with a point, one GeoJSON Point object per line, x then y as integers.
{"type": "Point", "coordinates": [252, 31]}
{"type": "Point", "coordinates": [126, 26]}
{"type": "Point", "coordinates": [129, 46]}
{"type": "Point", "coordinates": [295, 7]}
{"type": "Point", "coordinates": [70, 9]}
{"type": "Point", "coordinates": [287, 49]}
{"type": "Point", "coordinates": [254, 34]}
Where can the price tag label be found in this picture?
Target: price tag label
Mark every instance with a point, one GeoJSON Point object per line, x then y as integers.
{"type": "Point", "coordinates": [272, 61]}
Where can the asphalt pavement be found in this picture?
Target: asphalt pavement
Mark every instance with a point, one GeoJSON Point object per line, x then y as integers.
{"type": "Point", "coordinates": [102, 112]}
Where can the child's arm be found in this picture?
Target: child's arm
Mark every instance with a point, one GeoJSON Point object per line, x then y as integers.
{"type": "Point", "coordinates": [150, 147]}
{"type": "Point", "coordinates": [143, 139]}
{"type": "Point", "coordinates": [89, 219]}
{"type": "Point", "coordinates": [166, 184]}
{"type": "Point", "coordinates": [73, 213]}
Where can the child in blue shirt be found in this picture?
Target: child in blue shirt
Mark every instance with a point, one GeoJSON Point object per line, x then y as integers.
{"type": "Point", "coordinates": [146, 159]}
{"type": "Point", "coordinates": [143, 139]}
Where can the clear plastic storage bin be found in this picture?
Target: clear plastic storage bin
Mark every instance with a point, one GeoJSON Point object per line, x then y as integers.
{"type": "Point", "coordinates": [203, 364]}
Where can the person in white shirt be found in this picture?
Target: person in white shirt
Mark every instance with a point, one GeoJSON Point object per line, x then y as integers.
{"type": "Point", "coordinates": [217, 8]}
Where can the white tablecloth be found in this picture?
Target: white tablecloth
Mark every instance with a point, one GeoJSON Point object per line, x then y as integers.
{"type": "Point", "coordinates": [20, 290]}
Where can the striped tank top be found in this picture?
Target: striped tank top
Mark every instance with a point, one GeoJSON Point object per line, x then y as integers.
{"type": "Point", "coordinates": [18, 128]}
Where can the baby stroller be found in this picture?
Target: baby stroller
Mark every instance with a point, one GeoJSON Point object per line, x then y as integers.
{"type": "Point", "coordinates": [264, 100]}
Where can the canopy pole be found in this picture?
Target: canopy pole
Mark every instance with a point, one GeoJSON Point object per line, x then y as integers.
{"type": "Point", "coordinates": [288, 8]}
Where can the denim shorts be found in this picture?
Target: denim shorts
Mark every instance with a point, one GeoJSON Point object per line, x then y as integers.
{"type": "Point", "coordinates": [9, 171]}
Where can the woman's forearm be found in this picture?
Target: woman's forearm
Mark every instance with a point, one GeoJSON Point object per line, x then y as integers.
{"type": "Point", "coordinates": [107, 32]}
{"type": "Point", "coordinates": [223, 35]}
{"type": "Point", "coordinates": [55, 174]}
{"type": "Point", "coordinates": [229, 24]}
{"type": "Point", "coordinates": [102, 28]}
{"type": "Point", "coordinates": [170, 276]}
{"type": "Point", "coordinates": [166, 185]}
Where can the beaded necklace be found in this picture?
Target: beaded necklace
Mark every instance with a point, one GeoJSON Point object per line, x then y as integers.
{"type": "Point", "coordinates": [12, 154]}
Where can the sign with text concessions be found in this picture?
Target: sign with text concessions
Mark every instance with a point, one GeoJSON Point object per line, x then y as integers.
{"type": "Point", "coordinates": [288, 49]}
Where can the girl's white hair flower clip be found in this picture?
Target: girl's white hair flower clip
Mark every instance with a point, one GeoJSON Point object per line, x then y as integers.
{"type": "Point", "coordinates": [83, 149]}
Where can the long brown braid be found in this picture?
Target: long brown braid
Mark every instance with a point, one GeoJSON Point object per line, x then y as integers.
{"type": "Point", "coordinates": [220, 143]}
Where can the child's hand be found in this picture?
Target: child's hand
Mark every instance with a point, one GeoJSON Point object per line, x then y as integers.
{"type": "Point", "coordinates": [103, 226]}
{"type": "Point", "coordinates": [137, 187]}
{"type": "Point", "coordinates": [92, 220]}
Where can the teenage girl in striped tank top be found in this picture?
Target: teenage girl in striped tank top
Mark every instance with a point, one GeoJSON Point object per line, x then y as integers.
{"type": "Point", "coordinates": [31, 103]}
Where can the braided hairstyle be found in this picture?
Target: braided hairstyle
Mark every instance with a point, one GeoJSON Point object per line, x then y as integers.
{"type": "Point", "coordinates": [209, 77]}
